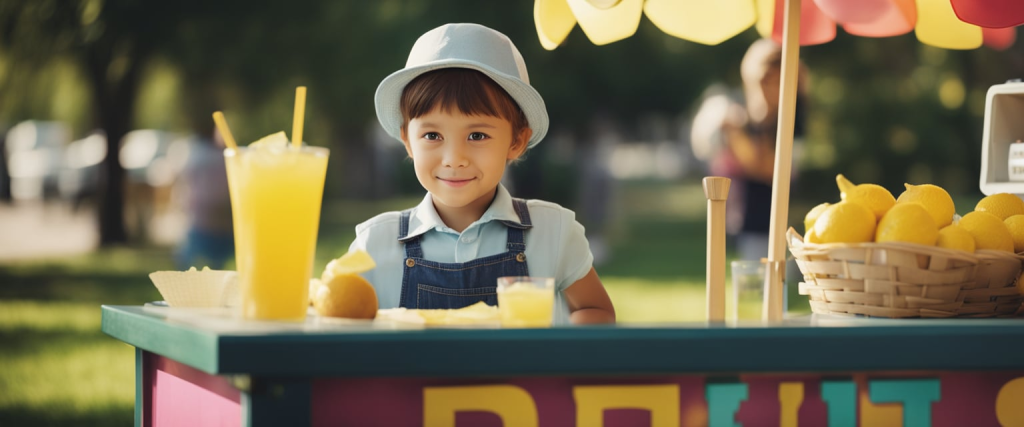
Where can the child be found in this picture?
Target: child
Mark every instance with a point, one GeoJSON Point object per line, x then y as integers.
{"type": "Point", "coordinates": [464, 109]}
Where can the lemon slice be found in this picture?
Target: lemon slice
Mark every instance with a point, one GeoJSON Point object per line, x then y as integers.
{"type": "Point", "coordinates": [275, 140]}
{"type": "Point", "coordinates": [354, 262]}
{"type": "Point", "coordinates": [476, 314]}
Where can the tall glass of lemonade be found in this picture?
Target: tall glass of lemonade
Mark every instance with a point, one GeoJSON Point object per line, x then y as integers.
{"type": "Point", "coordinates": [276, 192]}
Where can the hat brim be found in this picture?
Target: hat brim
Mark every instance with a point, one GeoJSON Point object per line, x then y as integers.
{"type": "Point", "coordinates": [389, 94]}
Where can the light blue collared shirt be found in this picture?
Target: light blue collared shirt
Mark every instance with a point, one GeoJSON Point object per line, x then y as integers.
{"type": "Point", "coordinates": [555, 247]}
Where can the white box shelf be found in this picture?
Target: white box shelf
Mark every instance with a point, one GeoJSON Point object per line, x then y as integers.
{"type": "Point", "coordinates": [1004, 124]}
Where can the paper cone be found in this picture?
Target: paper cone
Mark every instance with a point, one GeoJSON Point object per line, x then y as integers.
{"type": "Point", "coordinates": [207, 288]}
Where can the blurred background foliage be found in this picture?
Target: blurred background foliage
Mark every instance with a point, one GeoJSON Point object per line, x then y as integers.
{"type": "Point", "coordinates": [881, 110]}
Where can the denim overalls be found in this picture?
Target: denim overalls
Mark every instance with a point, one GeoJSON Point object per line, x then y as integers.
{"type": "Point", "coordinates": [428, 284]}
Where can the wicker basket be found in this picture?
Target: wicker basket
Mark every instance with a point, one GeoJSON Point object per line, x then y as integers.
{"type": "Point", "coordinates": [896, 279]}
{"type": "Point", "coordinates": [993, 292]}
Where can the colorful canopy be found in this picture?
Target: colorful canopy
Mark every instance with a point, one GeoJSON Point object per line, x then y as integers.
{"type": "Point", "coordinates": [950, 24]}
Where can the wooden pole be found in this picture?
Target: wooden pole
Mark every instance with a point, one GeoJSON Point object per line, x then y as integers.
{"type": "Point", "coordinates": [776, 268]}
{"type": "Point", "coordinates": [716, 189]}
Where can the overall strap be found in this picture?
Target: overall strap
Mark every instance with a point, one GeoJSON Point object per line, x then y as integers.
{"type": "Point", "coordinates": [515, 242]}
{"type": "Point", "coordinates": [523, 211]}
{"type": "Point", "coordinates": [412, 247]}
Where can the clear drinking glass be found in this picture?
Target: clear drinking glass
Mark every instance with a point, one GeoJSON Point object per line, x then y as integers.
{"type": "Point", "coordinates": [526, 302]}
{"type": "Point", "coordinates": [275, 203]}
{"type": "Point", "coordinates": [747, 289]}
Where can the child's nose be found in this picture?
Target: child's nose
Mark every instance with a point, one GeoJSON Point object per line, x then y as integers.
{"type": "Point", "coordinates": [455, 156]}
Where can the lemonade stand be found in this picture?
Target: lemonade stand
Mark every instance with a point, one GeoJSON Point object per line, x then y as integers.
{"type": "Point", "coordinates": [213, 365]}
{"type": "Point", "coordinates": [200, 366]}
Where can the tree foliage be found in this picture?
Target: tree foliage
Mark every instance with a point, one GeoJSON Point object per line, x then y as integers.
{"type": "Point", "coordinates": [877, 105]}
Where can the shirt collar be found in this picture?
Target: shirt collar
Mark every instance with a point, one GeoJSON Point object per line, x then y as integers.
{"type": "Point", "coordinates": [425, 218]}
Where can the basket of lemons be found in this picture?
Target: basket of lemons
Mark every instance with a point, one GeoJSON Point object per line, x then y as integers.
{"type": "Point", "coordinates": [875, 255]}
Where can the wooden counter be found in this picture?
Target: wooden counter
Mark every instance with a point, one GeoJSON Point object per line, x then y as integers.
{"type": "Point", "coordinates": [199, 365]}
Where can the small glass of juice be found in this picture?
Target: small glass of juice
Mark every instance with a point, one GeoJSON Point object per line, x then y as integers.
{"type": "Point", "coordinates": [526, 302]}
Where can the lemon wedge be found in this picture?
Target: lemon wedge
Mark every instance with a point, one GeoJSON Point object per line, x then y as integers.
{"type": "Point", "coordinates": [275, 140]}
{"type": "Point", "coordinates": [353, 262]}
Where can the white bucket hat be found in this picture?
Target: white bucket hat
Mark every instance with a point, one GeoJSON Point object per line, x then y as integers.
{"type": "Point", "coordinates": [470, 46]}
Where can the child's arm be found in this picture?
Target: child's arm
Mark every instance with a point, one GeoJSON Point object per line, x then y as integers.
{"type": "Point", "coordinates": [588, 301]}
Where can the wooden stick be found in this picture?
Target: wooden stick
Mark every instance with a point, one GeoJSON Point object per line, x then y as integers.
{"type": "Point", "coordinates": [776, 271]}
{"type": "Point", "coordinates": [716, 189]}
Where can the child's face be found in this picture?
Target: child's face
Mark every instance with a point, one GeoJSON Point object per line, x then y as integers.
{"type": "Point", "coordinates": [460, 159]}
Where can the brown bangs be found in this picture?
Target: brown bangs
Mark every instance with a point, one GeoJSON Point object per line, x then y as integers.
{"type": "Point", "coordinates": [470, 92]}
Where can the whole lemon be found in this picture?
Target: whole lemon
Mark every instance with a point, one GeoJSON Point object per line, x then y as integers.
{"type": "Point", "coordinates": [1002, 205]}
{"type": "Point", "coordinates": [810, 237]}
{"type": "Point", "coordinates": [872, 196]}
{"type": "Point", "coordinates": [844, 186]}
{"type": "Point", "coordinates": [935, 200]}
{"type": "Point", "coordinates": [812, 215]}
{"type": "Point", "coordinates": [907, 222]}
{"type": "Point", "coordinates": [845, 222]}
{"type": "Point", "coordinates": [954, 236]}
{"type": "Point", "coordinates": [346, 295]}
{"type": "Point", "coordinates": [988, 230]}
{"type": "Point", "coordinates": [1016, 225]}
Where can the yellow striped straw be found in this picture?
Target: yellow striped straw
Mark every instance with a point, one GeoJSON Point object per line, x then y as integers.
{"type": "Point", "coordinates": [300, 112]}
{"type": "Point", "coordinates": [225, 131]}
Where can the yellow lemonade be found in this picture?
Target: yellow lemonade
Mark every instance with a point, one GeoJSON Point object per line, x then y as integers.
{"type": "Point", "coordinates": [526, 305]}
{"type": "Point", "coordinates": [275, 200]}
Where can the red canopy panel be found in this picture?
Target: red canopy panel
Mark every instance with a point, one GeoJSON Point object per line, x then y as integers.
{"type": "Point", "coordinates": [990, 13]}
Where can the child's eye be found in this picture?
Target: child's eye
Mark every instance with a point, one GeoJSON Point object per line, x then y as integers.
{"type": "Point", "coordinates": [432, 136]}
{"type": "Point", "coordinates": [478, 136]}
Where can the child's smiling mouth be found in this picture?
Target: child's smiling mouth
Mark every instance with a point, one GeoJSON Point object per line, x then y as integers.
{"type": "Point", "coordinates": [455, 182]}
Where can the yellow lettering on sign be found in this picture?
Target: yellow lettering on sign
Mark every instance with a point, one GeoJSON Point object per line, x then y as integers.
{"type": "Point", "coordinates": [512, 404]}
{"type": "Point", "coordinates": [1009, 410]}
{"type": "Point", "coordinates": [876, 414]}
{"type": "Point", "coordinates": [661, 400]}
{"type": "Point", "coordinates": [791, 396]}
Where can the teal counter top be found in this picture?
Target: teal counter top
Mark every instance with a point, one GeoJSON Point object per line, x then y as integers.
{"type": "Point", "coordinates": [215, 342]}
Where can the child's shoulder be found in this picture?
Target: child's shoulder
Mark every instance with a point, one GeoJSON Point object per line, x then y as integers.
{"type": "Point", "coordinates": [545, 205]}
{"type": "Point", "coordinates": [385, 221]}
{"type": "Point", "coordinates": [542, 211]}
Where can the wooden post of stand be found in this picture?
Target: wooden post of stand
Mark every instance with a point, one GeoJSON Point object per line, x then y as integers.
{"type": "Point", "coordinates": [716, 189]}
{"type": "Point", "coordinates": [776, 268]}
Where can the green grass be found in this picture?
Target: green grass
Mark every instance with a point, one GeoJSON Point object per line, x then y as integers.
{"type": "Point", "coordinates": [59, 369]}
{"type": "Point", "coordinates": [47, 362]}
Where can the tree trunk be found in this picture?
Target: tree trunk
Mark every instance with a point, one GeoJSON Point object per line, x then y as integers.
{"type": "Point", "coordinates": [5, 176]}
{"type": "Point", "coordinates": [111, 191]}
{"type": "Point", "coordinates": [115, 101]}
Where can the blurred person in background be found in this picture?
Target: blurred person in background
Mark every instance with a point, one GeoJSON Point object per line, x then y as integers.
{"type": "Point", "coordinates": [203, 188]}
{"type": "Point", "coordinates": [737, 140]}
